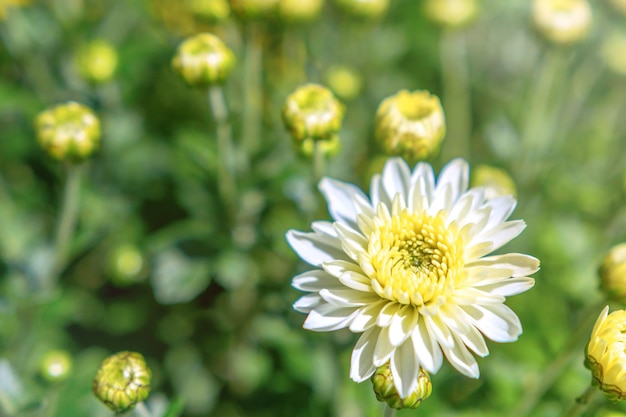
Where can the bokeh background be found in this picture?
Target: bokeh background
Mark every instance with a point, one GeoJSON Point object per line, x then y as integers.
{"type": "Point", "coordinates": [159, 265]}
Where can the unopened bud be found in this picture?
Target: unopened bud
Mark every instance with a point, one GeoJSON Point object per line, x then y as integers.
{"type": "Point", "coordinates": [312, 113]}
{"type": "Point", "coordinates": [451, 13]}
{"type": "Point", "coordinates": [56, 365]}
{"type": "Point", "coordinates": [613, 273]}
{"type": "Point", "coordinates": [210, 11]}
{"type": "Point", "coordinates": [299, 11]}
{"type": "Point", "coordinates": [345, 82]}
{"type": "Point", "coordinates": [203, 60]}
{"type": "Point", "coordinates": [497, 182]}
{"type": "Point", "coordinates": [127, 265]}
{"type": "Point", "coordinates": [562, 22]}
{"type": "Point", "coordinates": [122, 381]}
{"type": "Point", "coordinates": [97, 61]}
{"type": "Point", "coordinates": [386, 391]}
{"type": "Point", "coordinates": [68, 131]}
{"type": "Point", "coordinates": [410, 124]}
{"type": "Point", "coordinates": [604, 354]}
{"type": "Point", "coordinates": [365, 9]}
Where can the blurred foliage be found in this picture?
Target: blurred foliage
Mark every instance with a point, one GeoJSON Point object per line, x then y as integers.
{"type": "Point", "coordinates": [160, 265]}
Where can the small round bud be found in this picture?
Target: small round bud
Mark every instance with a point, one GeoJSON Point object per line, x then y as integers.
{"type": "Point", "coordinates": [605, 356]}
{"type": "Point", "coordinates": [299, 11]}
{"type": "Point", "coordinates": [127, 265]}
{"type": "Point", "coordinates": [344, 81]}
{"type": "Point", "coordinates": [68, 131]}
{"type": "Point", "coordinates": [410, 124]}
{"type": "Point", "coordinates": [312, 112]}
{"type": "Point", "coordinates": [451, 13]}
{"type": "Point", "coordinates": [328, 147]}
{"type": "Point", "coordinates": [497, 182]}
{"type": "Point", "coordinates": [122, 381]}
{"type": "Point", "coordinates": [203, 60]}
{"type": "Point", "coordinates": [210, 11]}
{"type": "Point", "coordinates": [613, 52]}
{"type": "Point", "coordinates": [253, 9]}
{"type": "Point", "coordinates": [386, 391]}
{"type": "Point", "coordinates": [56, 365]}
{"type": "Point", "coordinates": [97, 61]}
{"type": "Point", "coordinates": [613, 273]}
{"type": "Point", "coordinates": [365, 9]}
{"type": "Point", "coordinates": [562, 22]}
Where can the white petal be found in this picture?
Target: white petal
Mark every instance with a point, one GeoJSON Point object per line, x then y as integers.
{"type": "Point", "coordinates": [438, 330]}
{"type": "Point", "coordinates": [339, 196]}
{"type": "Point", "coordinates": [328, 317]}
{"type": "Point", "coordinates": [384, 348]}
{"type": "Point", "coordinates": [387, 313]}
{"type": "Point", "coordinates": [352, 242]}
{"type": "Point", "coordinates": [349, 274]}
{"type": "Point", "coordinates": [473, 296]}
{"type": "Point", "coordinates": [396, 178]}
{"type": "Point", "coordinates": [442, 200]}
{"type": "Point", "coordinates": [424, 176]}
{"type": "Point", "coordinates": [402, 324]}
{"type": "Point", "coordinates": [314, 281]}
{"type": "Point", "coordinates": [520, 265]}
{"type": "Point", "coordinates": [315, 248]}
{"type": "Point", "coordinates": [497, 237]}
{"type": "Point", "coordinates": [460, 324]}
{"type": "Point", "coordinates": [405, 369]}
{"type": "Point", "coordinates": [367, 317]}
{"type": "Point", "coordinates": [348, 297]}
{"type": "Point", "coordinates": [508, 287]}
{"type": "Point", "coordinates": [427, 349]}
{"type": "Point", "coordinates": [308, 302]}
{"type": "Point", "coordinates": [377, 191]}
{"type": "Point", "coordinates": [502, 208]}
{"type": "Point", "coordinates": [361, 365]}
{"type": "Point", "coordinates": [454, 175]}
{"type": "Point", "coordinates": [461, 359]}
{"type": "Point", "coordinates": [496, 321]}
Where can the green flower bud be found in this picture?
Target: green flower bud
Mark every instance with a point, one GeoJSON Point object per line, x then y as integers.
{"type": "Point", "coordinates": [68, 131]}
{"type": "Point", "coordinates": [127, 265]}
{"type": "Point", "coordinates": [451, 13]}
{"type": "Point", "coordinates": [122, 381]}
{"type": "Point", "coordinates": [299, 11]}
{"type": "Point", "coordinates": [312, 112]}
{"type": "Point", "coordinates": [496, 181]}
{"type": "Point", "coordinates": [410, 124]}
{"type": "Point", "coordinates": [562, 22]}
{"type": "Point", "coordinates": [97, 61]}
{"type": "Point", "coordinates": [345, 82]}
{"type": "Point", "coordinates": [365, 9]}
{"type": "Point", "coordinates": [613, 52]}
{"type": "Point", "coordinates": [613, 273]}
{"type": "Point", "coordinates": [211, 11]}
{"type": "Point", "coordinates": [56, 365]}
{"type": "Point", "coordinates": [253, 9]}
{"type": "Point", "coordinates": [203, 60]}
{"type": "Point", "coordinates": [386, 391]}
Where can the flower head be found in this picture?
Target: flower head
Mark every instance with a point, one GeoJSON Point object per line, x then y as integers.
{"type": "Point", "coordinates": [562, 22]}
{"type": "Point", "coordinates": [299, 11]}
{"type": "Point", "coordinates": [497, 182]}
{"type": "Point", "coordinates": [605, 354]}
{"type": "Point", "coordinates": [408, 268]}
{"type": "Point", "coordinates": [203, 60]}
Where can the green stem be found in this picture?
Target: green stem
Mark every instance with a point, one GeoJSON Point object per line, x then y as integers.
{"type": "Point", "coordinates": [582, 402]}
{"type": "Point", "coordinates": [457, 101]}
{"type": "Point", "coordinates": [389, 412]}
{"type": "Point", "coordinates": [226, 150]}
{"type": "Point", "coordinates": [67, 221]}
{"type": "Point", "coordinates": [142, 410]}
{"type": "Point", "coordinates": [253, 60]}
{"type": "Point", "coordinates": [318, 162]}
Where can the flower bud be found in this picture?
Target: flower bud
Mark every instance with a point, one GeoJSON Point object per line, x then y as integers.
{"type": "Point", "coordinates": [365, 9]}
{"type": "Point", "coordinates": [299, 11]}
{"type": "Point", "coordinates": [410, 124]}
{"type": "Point", "coordinates": [497, 182]}
{"type": "Point", "coordinates": [345, 82]}
{"type": "Point", "coordinates": [312, 113]}
{"type": "Point", "coordinates": [613, 273]}
{"type": "Point", "coordinates": [451, 13]}
{"type": "Point", "coordinates": [386, 391]}
{"type": "Point", "coordinates": [210, 11]}
{"type": "Point", "coordinates": [68, 131]}
{"type": "Point", "coordinates": [203, 60]}
{"type": "Point", "coordinates": [613, 52]}
{"type": "Point", "coordinates": [605, 356]}
{"type": "Point", "coordinates": [56, 365]}
{"type": "Point", "coordinates": [562, 22]}
{"type": "Point", "coordinates": [97, 61]}
{"type": "Point", "coordinates": [127, 265]}
{"type": "Point", "coordinates": [253, 9]}
{"type": "Point", "coordinates": [122, 381]}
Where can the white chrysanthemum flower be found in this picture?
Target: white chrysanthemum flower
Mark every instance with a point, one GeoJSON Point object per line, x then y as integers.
{"type": "Point", "coordinates": [407, 267]}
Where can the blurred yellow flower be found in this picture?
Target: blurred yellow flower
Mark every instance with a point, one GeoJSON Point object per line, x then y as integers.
{"type": "Point", "coordinates": [613, 273]}
{"type": "Point", "coordinates": [451, 13]}
{"type": "Point", "coordinates": [562, 21]}
{"type": "Point", "coordinates": [497, 182]}
{"type": "Point", "coordinates": [203, 60]}
{"type": "Point", "coordinates": [613, 51]}
{"type": "Point", "coordinates": [97, 61]}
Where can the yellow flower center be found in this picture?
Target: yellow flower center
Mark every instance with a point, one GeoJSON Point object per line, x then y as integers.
{"type": "Point", "coordinates": [414, 256]}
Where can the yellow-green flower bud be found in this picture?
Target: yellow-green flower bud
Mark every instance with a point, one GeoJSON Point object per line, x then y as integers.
{"type": "Point", "coordinates": [613, 51]}
{"type": "Point", "coordinates": [122, 381]}
{"type": "Point", "coordinates": [562, 22]}
{"type": "Point", "coordinates": [97, 61]}
{"type": "Point", "coordinates": [497, 182]}
{"type": "Point", "coordinates": [605, 355]}
{"type": "Point", "coordinates": [366, 9]}
{"type": "Point", "coordinates": [328, 147]}
{"type": "Point", "coordinates": [68, 131]}
{"type": "Point", "coordinates": [344, 81]}
{"type": "Point", "coordinates": [386, 391]}
{"type": "Point", "coordinates": [410, 124]}
{"type": "Point", "coordinates": [127, 265]}
{"type": "Point", "coordinates": [451, 13]}
{"type": "Point", "coordinates": [56, 365]}
{"type": "Point", "coordinates": [253, 9]}
{"type": "Point", "coordinates": [211, 11]}
{"type": "Point", "coordinates": [312, 112]}
{"type": "Point", "coordinates": [299, 11]}
{"type": "Point", "coordinates": [203, 60]}
{"type": "Point", "coordinates": [613, 273]}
